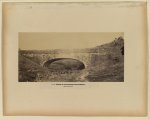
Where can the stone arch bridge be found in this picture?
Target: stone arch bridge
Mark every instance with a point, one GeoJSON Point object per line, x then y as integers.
{"type": "Point", "coordinates": [83, 57]}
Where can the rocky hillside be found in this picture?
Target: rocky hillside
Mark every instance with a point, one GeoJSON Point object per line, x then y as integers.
{"type": "Point", "coordinates": [29, 69]}
{"type": "Point", "coordinates": [108, 63]}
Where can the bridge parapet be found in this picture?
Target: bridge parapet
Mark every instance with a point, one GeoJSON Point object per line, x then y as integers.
{"type": "Point", "coordinates": [42, 58]}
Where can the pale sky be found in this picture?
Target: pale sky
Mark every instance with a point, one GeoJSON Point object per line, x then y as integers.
{"type": "Point", "coordinates": [64, 40]}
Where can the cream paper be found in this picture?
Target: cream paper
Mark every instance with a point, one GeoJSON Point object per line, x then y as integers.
{"type": "Point", "coordinates": [128, 98]}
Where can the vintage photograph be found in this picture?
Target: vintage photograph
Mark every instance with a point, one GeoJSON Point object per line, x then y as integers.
{"type": "Point", "coordinates": [71, 57]}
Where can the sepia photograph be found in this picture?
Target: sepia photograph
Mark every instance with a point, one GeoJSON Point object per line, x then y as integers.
{"type": "Point", "coordinates": [71, 57]}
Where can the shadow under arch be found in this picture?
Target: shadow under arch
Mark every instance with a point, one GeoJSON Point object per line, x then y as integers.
{"type": "Point", "coordinates": [64, 64]}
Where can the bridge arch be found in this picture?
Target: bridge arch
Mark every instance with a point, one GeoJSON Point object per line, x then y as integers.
{"type": "Point", "coordinates": [64, 64]}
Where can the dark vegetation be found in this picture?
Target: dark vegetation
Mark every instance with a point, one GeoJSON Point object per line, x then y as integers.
{"type": "Point", "coordinates": [64, 64]}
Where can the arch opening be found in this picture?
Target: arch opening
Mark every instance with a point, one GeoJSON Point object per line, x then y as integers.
{"type": "Point", "coordinates": [64, 64]}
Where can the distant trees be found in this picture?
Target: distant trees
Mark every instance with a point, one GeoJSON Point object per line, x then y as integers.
{"type": "Point", "coordinates": [122, 50]}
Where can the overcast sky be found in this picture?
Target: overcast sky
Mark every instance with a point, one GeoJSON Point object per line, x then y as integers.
{"type": "Point", "coordinates": [64, 40]}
